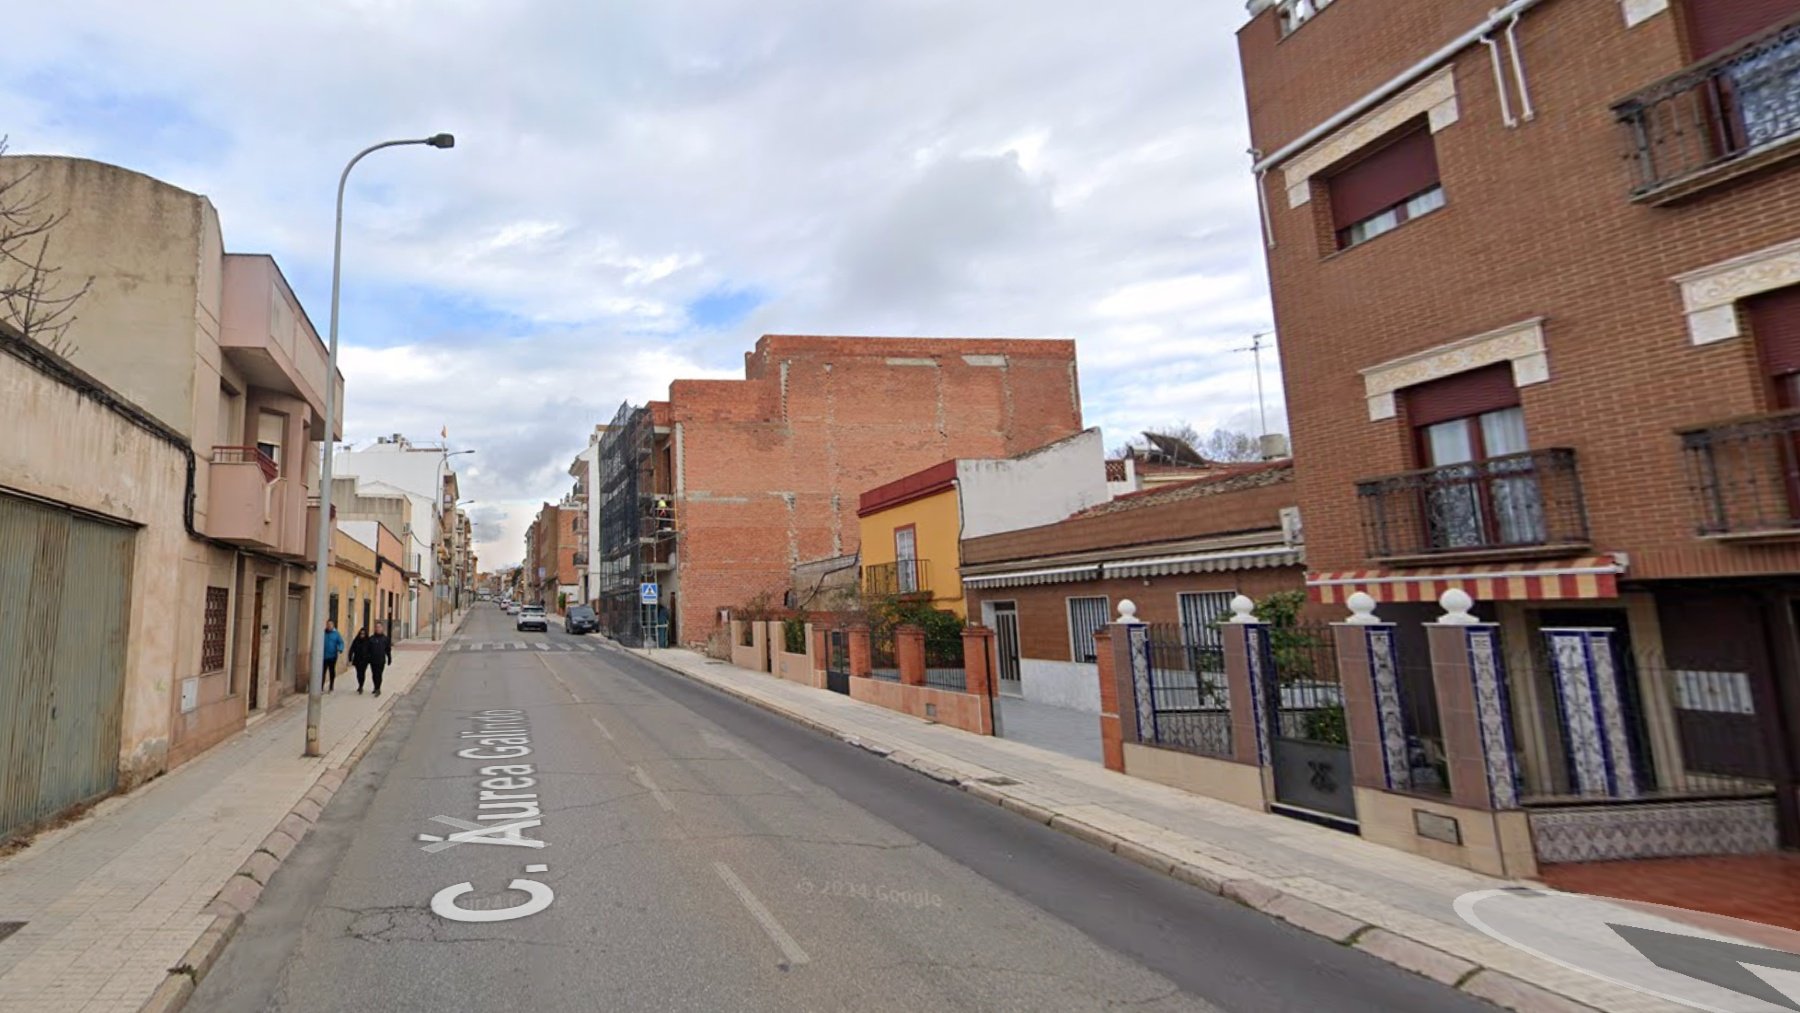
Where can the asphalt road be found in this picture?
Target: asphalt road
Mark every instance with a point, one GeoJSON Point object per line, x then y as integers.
{"type": "Point", "coordinates": [701, 854]}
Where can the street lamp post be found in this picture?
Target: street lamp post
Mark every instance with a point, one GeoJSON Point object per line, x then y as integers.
{"type": "Point", "coordinates": [321, 564]}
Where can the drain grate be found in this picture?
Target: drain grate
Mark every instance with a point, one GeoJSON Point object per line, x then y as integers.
{"type": "Point", "coordinates": [8, 928]}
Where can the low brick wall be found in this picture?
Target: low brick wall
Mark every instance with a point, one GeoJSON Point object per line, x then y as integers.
{"type": "Point", "coordinates": [798, 668]}
{"type": "Point", "coordinates": [755, 656]}
{"type": "Point", "coordinates": [966, 711]}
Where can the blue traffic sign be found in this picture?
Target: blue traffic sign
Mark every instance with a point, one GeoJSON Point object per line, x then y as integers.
{"type": "Point", "coordinates": [647, 594]}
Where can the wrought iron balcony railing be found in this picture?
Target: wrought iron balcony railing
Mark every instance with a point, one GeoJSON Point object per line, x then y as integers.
{"type": "Point", "coordinates": [248, 455]}
{"type": "Point", "coordinates": [906, 576]}
{"type": "Point", "coordinates": [1500, 504]}
{"type": "Point", "coordinates": [1733, 107]}
{"type": "Point", "coordinates": [1744, 475]}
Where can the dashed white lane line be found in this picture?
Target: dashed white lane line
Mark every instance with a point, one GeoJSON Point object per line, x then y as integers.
{"type": "Point", "coordinates": [778, 935]}
{"type": "Point", "coordinates": [644, 779]}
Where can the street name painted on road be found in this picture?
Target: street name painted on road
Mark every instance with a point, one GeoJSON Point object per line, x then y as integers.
{"type": "Point", "coordinates": [505, 810]}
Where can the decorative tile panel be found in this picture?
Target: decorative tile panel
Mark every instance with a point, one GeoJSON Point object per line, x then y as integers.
{"type": "Point", "coordinates": [1137, 636]}
{"type": "Point", "coordinates": [1521, 344]}
{"type": "Point", "coordinates": [1389, 715]}
{"type": "Point", "coordinates": [1434, 97]}
{"type": "Point", "coordinates": [1601, 833]}
{"type": "Point", "coordinates": [1493, 716]}
{"type": "Point", "coordinates": [1592, 710]}
{"type": "Point", "coordinates": [1262, 677]}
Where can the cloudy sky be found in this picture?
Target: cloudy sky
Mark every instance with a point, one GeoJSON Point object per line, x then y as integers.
{"type": "Point", "coordinates": [640, 189]}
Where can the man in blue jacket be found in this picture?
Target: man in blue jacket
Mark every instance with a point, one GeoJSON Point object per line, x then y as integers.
{"type": "Point", "coordinates": [334, 646]}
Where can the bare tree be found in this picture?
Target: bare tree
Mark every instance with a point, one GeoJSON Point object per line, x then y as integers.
{"type": "Point", "coordinates": [33, 299]}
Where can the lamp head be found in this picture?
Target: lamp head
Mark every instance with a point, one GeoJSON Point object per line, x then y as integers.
{"type": "Point", "coordinates": [441, 140]}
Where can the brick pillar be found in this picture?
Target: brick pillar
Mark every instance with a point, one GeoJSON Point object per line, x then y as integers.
{"type": "Point", "coordinates": [1249, 671]}
{"type": "Point", "coordinates": [978, 674]}
{"type": "Point", "coordinates": [909, 654]}
{"type": "Point", "coordinates": [1368, 674]}
{"type": "Point", "coordinates": [1470, 679]}
{"type": "Point", "coordinates": [1112, 750]}
{"type": "Point", "coordinates": [861, 657]}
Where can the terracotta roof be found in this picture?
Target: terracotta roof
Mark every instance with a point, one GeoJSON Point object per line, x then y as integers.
{"type": "Point", "coordinates": [917, 485]}
{"type": "Point", "coordinates": [1227, 478]}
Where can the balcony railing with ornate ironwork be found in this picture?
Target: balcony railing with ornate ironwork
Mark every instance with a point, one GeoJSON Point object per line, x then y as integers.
{"type": "Point", "coordinates": [1744, 475]}
{"type": "Point", "coordinates": [1732, 108]}
{"type": "Point", "coordinates": [1514, 504]}
{"type": "Point", "coordinates": [906, 576]}
{"type": "Point", "coordinates": [248, 455]}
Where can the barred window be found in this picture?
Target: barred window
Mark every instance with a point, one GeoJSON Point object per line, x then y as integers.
{"type": "Point", "coordinates": [212, 638]}
{"type": "Point", "coordinates": [1201, 613]}
{"type": "Point", "coordinates": [1086, 616]}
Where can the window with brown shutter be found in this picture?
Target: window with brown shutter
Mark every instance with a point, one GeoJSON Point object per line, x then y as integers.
{"type": "Point", "coordinates": [1717, 25]}
{"type": "Point", "coordinates": [212, 637]}
{"type": "Point", "coordinates": [1487, 389]}
{"type": "Point", "coordinates": [1775, 323]}
{"type": "Point", "coordinates": [1391, 185]}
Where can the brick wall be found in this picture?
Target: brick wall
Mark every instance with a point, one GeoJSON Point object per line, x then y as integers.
{"type": "Point", "coordinates": [1537, 223]}
{"type": "Point", "coordinates": [1044, 612]}
{"type": "Point", "coordinates": [771, 466]}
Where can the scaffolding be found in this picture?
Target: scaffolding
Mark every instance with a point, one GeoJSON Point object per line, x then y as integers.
{"type": "Point", "coordinates": [637, 529]}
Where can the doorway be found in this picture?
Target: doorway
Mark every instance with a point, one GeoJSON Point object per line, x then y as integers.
{"type": "Point", "coordinates": [290, 662]}
{"type": "Point", "coordinates": [1003, 618]}
{"type": "Point", "coordinates": [259, 646]}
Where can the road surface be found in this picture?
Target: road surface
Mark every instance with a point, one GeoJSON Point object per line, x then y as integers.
{"type": "Point", "coordinates": [701, 854]}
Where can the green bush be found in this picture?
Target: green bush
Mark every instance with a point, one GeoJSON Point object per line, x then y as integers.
{"type": "Point", "coordinates": [943, 630]}
{"type": "Point", "coordinates": [793, 632]}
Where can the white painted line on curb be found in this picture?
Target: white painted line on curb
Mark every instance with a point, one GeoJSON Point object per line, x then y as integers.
{"type": "Point", "coordinates": [644, 779]}
{"type": "Point", "coordinates": [789, 949]}
{"type": "Point", "coordinates": [603, 729]}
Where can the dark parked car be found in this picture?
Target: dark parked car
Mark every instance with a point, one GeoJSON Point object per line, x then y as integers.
{"type": "Point", "coordinates": [581, 619]}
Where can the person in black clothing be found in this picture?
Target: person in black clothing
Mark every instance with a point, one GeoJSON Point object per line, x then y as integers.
{"type": "Point", "coordinates": [381, 654]}
{"type": "Point", "coordinates": [359, 655]}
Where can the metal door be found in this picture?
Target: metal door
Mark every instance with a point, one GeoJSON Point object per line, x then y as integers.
{"type": "Point", "coordinates": [290, 654]}
{"type": "Point", "coordinates": [65, 590]}
{"type": "Point", "coordinates": [1006, 647]}
{"type": "Point", "coordinates": [1309, 741]}
{"type": "Point", "coordinates": [837, 662]}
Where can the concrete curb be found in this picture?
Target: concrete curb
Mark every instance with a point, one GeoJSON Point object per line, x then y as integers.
{"type": "Point", "coordinates": [1388, 945]}
{"type": "Point", "coordinates": [240, 893]}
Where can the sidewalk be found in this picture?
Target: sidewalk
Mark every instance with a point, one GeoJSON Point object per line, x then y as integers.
{"type": "Point", "coordinates": [1391, 904]}
{"type": "Point", "coordinates": [113, 901]}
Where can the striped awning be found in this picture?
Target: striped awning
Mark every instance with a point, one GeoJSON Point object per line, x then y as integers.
{"type": "Point", "coordinates": [1021, 578]}
{"type": "Point", "coordinates": [1586, 577]}
{"type": "Point", "coordinates": [1154, 566]}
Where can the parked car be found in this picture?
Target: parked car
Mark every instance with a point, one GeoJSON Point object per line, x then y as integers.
{"type": "Point", "coordinates": [581, 619]}
{"type": "Point", "coordinates": [531, 617]}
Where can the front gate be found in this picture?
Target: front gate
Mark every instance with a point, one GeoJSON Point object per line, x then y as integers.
{"type": "Point", "coordinates": [1309, 740]}
{"type": "Point", "coordinates": [837, 662]}
{"type": "Point", "coordinates": [1006, 648]}
{"type": "Point", "coordinates": [65, 595]}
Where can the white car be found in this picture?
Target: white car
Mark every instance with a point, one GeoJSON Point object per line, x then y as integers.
{"type": "Point", "coordinates": [531, 617]}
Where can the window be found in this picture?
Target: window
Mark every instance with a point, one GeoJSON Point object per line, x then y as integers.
{"type": "Point", "coordinates": [1471, 433]}
{"type": "Point", "coordinates": [1392, 186]}
{"type": "Point", "coordinates": [269, 429]}
{"type": "Point", "coordinates": [1086, 616]}
{"type": "Point", "coordinates": [1775, 322]}
{"type": "Point", "coordinates": [1717, 25]}
{"type": "Point", "coordinates": [1201, 613]}
{"type": "Point", "coordinates": [906, 555]}
{"type": "Point", "coordinates": [333, 616]}
{"type": "Point", "coordinates": [212, 635]}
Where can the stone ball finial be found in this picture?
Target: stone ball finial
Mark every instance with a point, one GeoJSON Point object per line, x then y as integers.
{"type": "Point", "coordinates": [1362, 609]}
{"type": "Point", "coordinates": [1456, 604]}
{"type": "Point", "coordinates": [1244, 610]}
{"type": "Point", "coordinates": [1128, 612]}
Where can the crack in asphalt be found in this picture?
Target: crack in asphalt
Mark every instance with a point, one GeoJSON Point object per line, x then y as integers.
{"type": "Point", "coordinates": [401, 923]}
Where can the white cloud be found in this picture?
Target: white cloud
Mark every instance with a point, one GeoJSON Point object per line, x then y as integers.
{"type": "Point", "coordinates": [1012, 167]}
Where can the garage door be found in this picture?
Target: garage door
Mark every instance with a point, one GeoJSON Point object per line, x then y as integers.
{"type": "Point", "coordinates": [65, 599]}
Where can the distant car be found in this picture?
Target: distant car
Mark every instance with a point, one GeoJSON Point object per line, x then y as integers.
{"type": "Point", "coordinates": [531, 617]}
{"type": "Point", "coordinates": [581, 619]}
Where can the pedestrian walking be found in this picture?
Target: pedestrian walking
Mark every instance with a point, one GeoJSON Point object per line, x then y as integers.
{"type": "Point", "coordinates": [381, 654]}
{"type": "Point", "coordinates": [359, 655]}
{"type": "Point", "coordinates": [334, 646]}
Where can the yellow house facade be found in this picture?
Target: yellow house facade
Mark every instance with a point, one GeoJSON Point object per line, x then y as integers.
{"type": "Point", "coordinates": [912, 538]}
{"type": "Point", "coordinates": [352, 584]}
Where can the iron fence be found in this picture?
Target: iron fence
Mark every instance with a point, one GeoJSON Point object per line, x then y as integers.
{"type": "Point", "coordinates": [1739, 102]}
{"type": "Point", "coordinates": [882, 662]}
{"type": "Point", "coordinates": [901, 577]}
{"type": "Point", "coordinates": [944, 662]}
{"type": "Point", "coordinates": [1744, 475]}
{"type": "Point", "coordinates": [1511, 501]}
{"type": "Point", "coordinates": [1309, 698]}
{"type": "Point", "coordinates": [1188, 700]}
{"type": "Point", "coordinates": [1415, 705]}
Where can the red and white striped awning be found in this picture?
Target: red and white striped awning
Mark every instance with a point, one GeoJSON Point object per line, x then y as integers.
{"type": "Point", "coordinates": [1587, 577]}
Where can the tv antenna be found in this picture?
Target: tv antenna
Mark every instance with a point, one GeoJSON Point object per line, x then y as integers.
{"type": "Point", "coordinates": [1255, 348]}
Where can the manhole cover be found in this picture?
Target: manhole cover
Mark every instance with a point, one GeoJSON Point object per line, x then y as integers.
{"type": "Point", "coordinates": [1000, 781]}
{"type": "Point", "coordinates": [8, 928]}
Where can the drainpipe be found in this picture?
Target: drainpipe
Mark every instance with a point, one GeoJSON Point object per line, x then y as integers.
{"type": "Point", "coordinates": [1494, 20]}
{"type": "Point", "coordinates": [1506, 115]}
{"type": "Point", "coordinates": [1512, 43]}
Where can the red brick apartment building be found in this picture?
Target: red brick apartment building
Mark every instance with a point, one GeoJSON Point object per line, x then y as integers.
{"type": "Point", "coordinates": [1536, 273]}
{"type": "Point", "coordinates": [551, 542]}
{"type": "Point", "coordinates": [767, 470]}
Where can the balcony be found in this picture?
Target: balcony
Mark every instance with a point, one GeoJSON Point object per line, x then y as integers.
{"type": "Point", "coordinates": [581, 559]}
{"type": "Point", "coordinates": [1744, 476]}
{"type": "Point", "coordinates": [247, 503]}
{"type": "Point", "coordinates": [1732, 114]}
{"type": "Point", "coordinates": [1516, 506]}
{"type": "Point", "coordinates": [900, 578]}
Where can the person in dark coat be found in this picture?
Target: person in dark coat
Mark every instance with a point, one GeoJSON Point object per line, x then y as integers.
{"type": "Point", "coordinates": [359, 655]}
{"type": "Point", "coordinates": [381, 654]}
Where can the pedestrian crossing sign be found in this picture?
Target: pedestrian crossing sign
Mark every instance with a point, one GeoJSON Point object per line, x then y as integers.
{"type": "Point", "coordinates": [647, 593]}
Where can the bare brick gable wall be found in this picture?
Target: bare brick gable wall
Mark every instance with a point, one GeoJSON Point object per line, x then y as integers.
{"type": "Point", "coordinates": [769, 468]}
{"type": "Point", "coordinates": [1537, 222]}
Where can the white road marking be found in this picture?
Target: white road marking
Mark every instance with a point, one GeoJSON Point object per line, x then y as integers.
{"type": "Point", "coordinates": [603, 730]}
{"type": "Point", "coordinates": [540, 645]}
{"type": "Point", "coordinates": [730, 746]}
{"type": "Point", "coordinates": [789, 949]}
{"type": "Point", "coordinates": [644, 779]}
